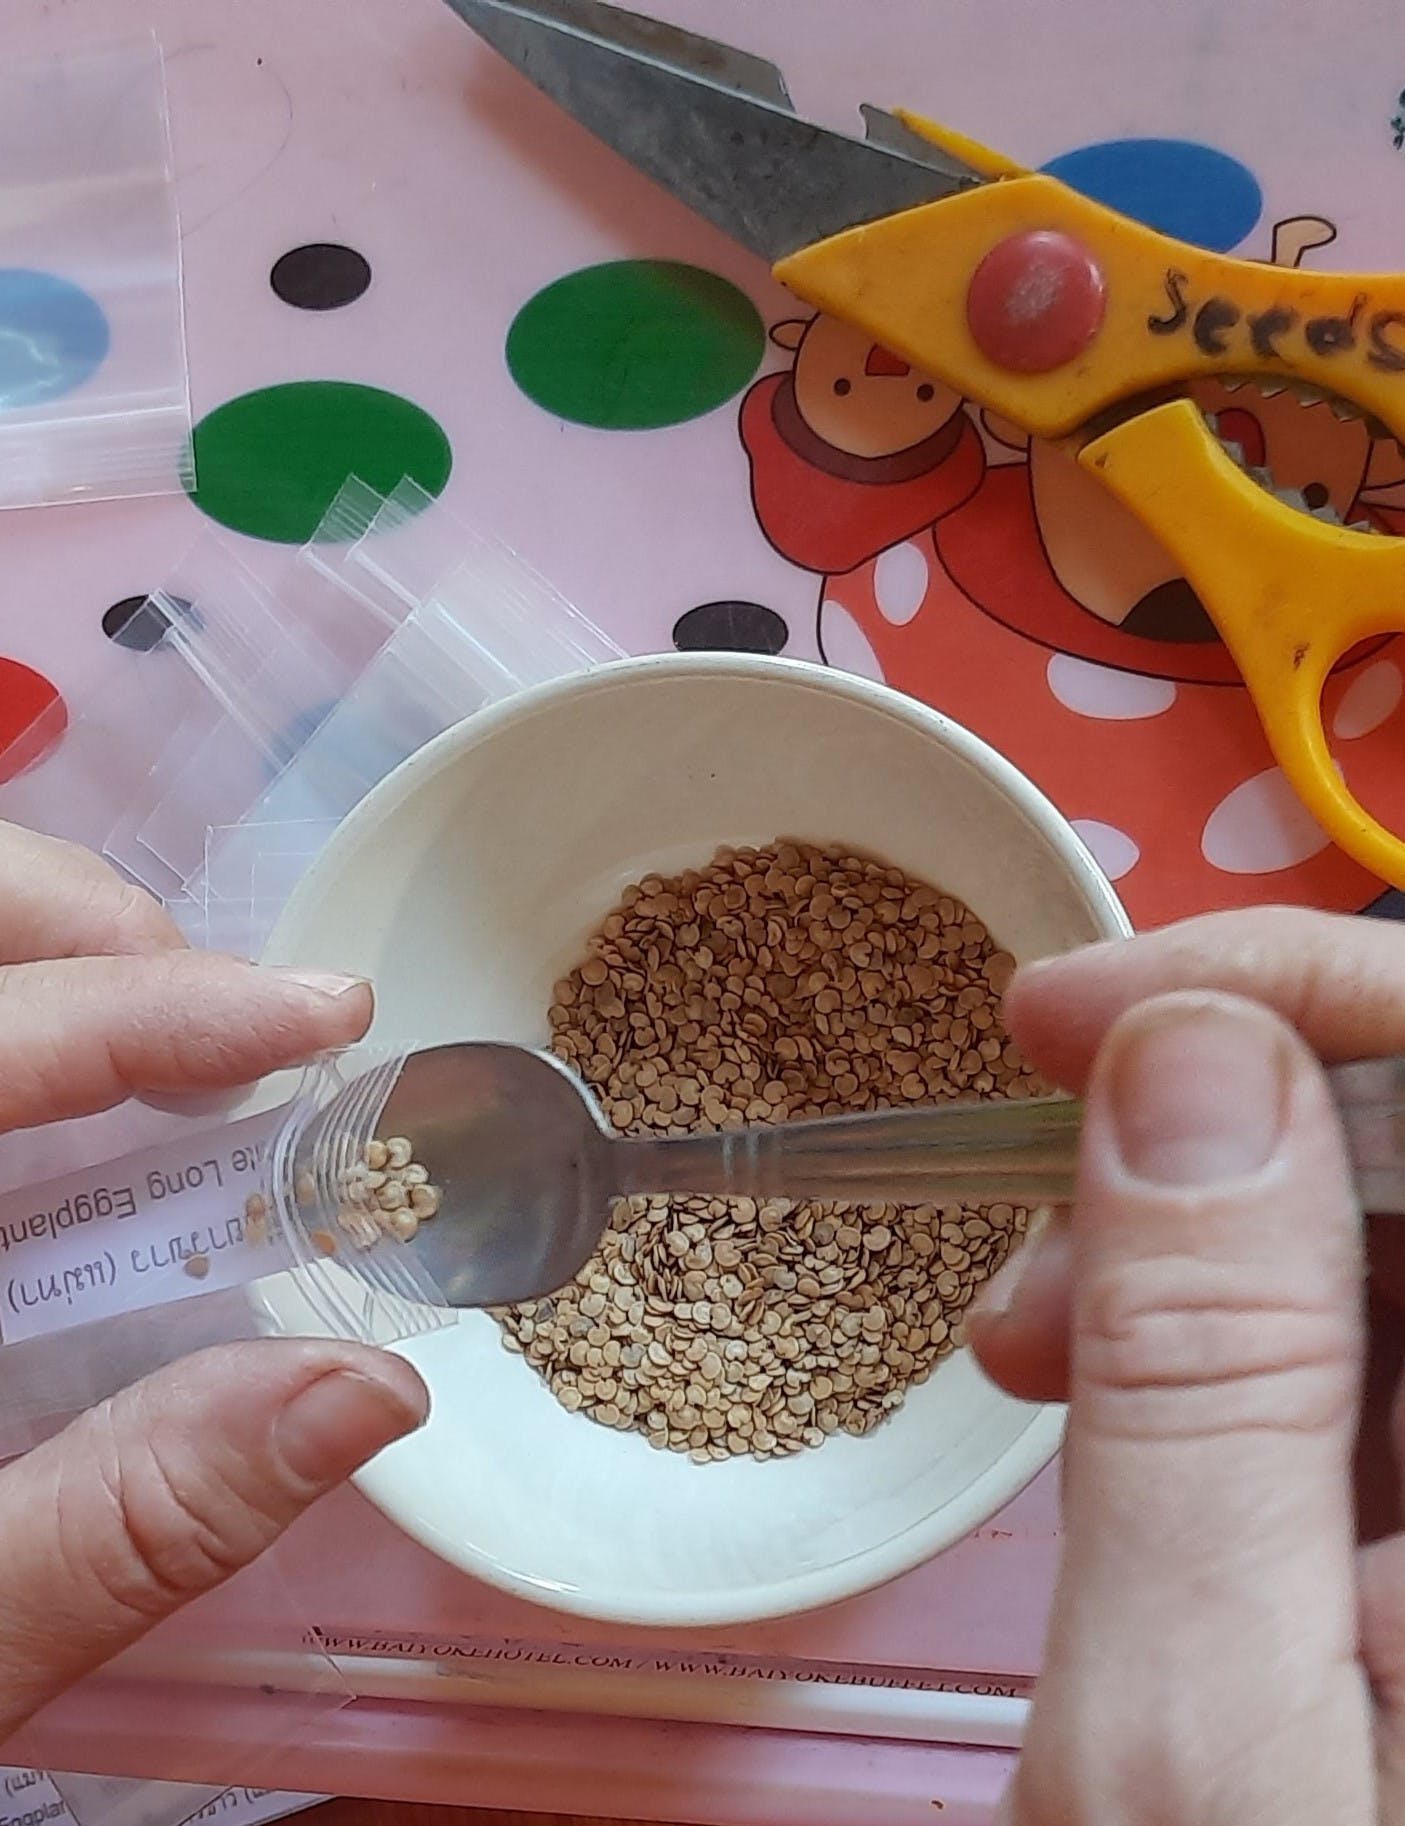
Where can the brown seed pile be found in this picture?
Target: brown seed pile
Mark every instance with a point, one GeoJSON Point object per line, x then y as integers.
{"type": "Point", "coordinates": [775, 984]}
{"type": "Point", "coordinates": [387, 1193]}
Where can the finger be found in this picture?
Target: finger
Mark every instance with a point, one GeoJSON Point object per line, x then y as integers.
{"type": "Point", "coordinates": [1019, 1327]}
{"type": "Point", "coordinates": [1339, 980]}
{"type": "Point", "coordinates": [83, 1034]}
{"type": "Point", "coordinates": [163, 1492]}
{"type": "Point", "coordinates": [58, 900]}
{"type": "Point", "coordinates": [1019, 1331]}
{"type": "Point", "coordinates": [1206, 1606]}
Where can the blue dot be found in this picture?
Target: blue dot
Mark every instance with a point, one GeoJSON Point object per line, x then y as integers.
{"type": "Point", "coordinates": [52, 336]}
{"type": "Point", "coordinates": [1183, 189]}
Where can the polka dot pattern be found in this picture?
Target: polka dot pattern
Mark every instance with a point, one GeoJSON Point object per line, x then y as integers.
{"type": "Point", "coordinates": [1114, 851]}
{"type": "Point", "coordinates": [320, 276]}
{"type": "Point", "coordinates": [1368, 700]}
{"type": "Point", "coordinates": [1103, 693]}
{"type": "Point", "coordinates": [845, 645]}
{"type": "Point", "coordinates": [634, 345]}
{"type": "Point", "coordinates": [139, 624]}
{"type": "Point", "coordinates": [270, 463]}
{"type": "Point", "coordinates": [1390, 905]}
{"type": "Point", "coordinates": [1192, 191]}
{"type": "Point", "coordinates": [730, 627]}
{"type": "Point", "coordinates": [53, 337]}
{"type": "Point", "coordinates": [900, 580]}
{"type": "Point", "coordinates": [1261, 827]}
{"type": "Point", "coordinates": [33, 718]}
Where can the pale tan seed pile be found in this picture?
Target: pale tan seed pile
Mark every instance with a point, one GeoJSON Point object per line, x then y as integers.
{"type": "Point", "coordinates": [775, 984]}
{"type": "Point", "coordinates": [387, 1193]}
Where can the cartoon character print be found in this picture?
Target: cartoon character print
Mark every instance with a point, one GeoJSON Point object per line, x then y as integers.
{"type": "Point", "coordinates": [996, 581]}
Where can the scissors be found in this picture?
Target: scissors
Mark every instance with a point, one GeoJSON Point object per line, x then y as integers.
{"type": "Point", "coordinates": [1073, 322]}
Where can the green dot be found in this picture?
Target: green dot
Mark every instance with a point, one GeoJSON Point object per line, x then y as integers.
{"type": "Point", "coordinates": [270, 463]}
{"type": "Point", "coordinates": [635, 344]}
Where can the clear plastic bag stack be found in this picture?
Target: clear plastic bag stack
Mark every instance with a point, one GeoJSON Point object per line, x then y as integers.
{"type": "Point", "coordinates": [213, 773]}
{"type": "Point", "coordinates": [94, 394]}
{"type": "Point", "coordinates": [392, 625]}
{"type": "Point", "coordinates": [212, 768]}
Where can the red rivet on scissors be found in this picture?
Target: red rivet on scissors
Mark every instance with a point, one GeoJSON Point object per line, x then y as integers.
{"type": "Point", "coordinates": [1036, 302]}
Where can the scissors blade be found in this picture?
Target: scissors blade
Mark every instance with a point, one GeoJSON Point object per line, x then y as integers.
{"type": "Point", "coordinates": [714, 125]}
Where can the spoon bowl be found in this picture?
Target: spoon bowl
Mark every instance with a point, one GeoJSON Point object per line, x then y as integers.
{"type": "Point", "coordinates": [520, 1152]}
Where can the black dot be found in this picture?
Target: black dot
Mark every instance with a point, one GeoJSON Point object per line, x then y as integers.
{"type": "Point", "coordinates": [322, 276]}
{"type": "Point", "coordinates": [140, 624]}
{"type": "Point", "coordinates": [926, 391]}
{"type": "Point", "coordinates": [1390, 905]}
{"type": "Point", "coordinates": [1317, 494]}
{"type": "Point", "coordinates": [1173, 613]}
{"type": "Point", "coordinates": [842, 386]}
{"type": "Point", "coordinates": [730, 627]}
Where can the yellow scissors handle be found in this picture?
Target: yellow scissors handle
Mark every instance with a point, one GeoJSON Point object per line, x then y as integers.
{"type": "Point", "coordinates": [1108, 308]}
{"type": "Point", "coordinates": [1053, 310]}
{"type": "Point", "coordinates": [1289, 594]}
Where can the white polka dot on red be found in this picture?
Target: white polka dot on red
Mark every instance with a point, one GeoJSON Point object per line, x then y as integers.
{"type": "Point", "coordinates": [1115, 853]}
{"type": "Point", "coordinates": [1105, 693]}
{"type": "Point", "coordinates": [846, 647]}
{"type": "Point", "coordinates": [1261, 826]}
{"type": "Point", "coordinates": [900, 581]}
{"type": "Point", "coordinates": [1368, 700]}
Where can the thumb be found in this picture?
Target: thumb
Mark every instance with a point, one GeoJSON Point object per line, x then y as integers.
{"type": "Point", "coordinates": [1206, 1606]}
{"type": "Point", "coordinates": [164, 1491]}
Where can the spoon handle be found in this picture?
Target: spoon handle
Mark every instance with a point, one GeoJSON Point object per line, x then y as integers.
{"type": "Point", "coordinates": [1021, 1151]}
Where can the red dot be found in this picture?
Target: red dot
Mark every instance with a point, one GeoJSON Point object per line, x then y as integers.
{"type": "Point", "coordinates": [1036, 302]}
{"type": "Point", "coordinates": [33, 718]}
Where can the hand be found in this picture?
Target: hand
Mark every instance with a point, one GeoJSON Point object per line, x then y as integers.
{"type": "Point", "coordinates": [164, 1491]}
{"type": "Point", "coordinates": [1222, 1652]}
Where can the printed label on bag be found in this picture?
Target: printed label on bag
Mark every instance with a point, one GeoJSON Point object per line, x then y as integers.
{"type": "Point", "coordinates": [34, 1797]}
{"type": "Point", "coordinates": [154, 1227]}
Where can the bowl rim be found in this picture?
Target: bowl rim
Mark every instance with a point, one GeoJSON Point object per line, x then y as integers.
{"type": "Point", "coordinates": [1039, 1441]}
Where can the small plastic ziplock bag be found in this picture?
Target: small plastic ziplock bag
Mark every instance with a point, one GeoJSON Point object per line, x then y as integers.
{"type": "Point", "coordinates": [94, 395]}
{"type": "Point", "coordinates": [273, 668]}
{"type": "Point", "coordinates": [209, 1237]}
{"type": "Point", "coordinates": [487, 627]}
{"type": "Point", "coordinates": [124, 716]}
{"type": "Point", "coordinates": [105, 1800]}
{"type": "Point", "coordinates": [250, 870]}
{"type": "Point", "coordinates": [284, 708]}
{"type": "Point", "coordinates": [522, 631]}
{"type": "Point", "coordinates": [232, 1228]}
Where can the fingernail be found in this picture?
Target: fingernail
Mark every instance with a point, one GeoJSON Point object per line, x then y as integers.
{"type": "Point", "coordinates": [325, 982]}
{"type": "Point", "coordinates": [998, 1295]}
{"type": "Point", "coordinates": [1197, 1088]}
{"type": "Point", "coordinates": [330, 1428]}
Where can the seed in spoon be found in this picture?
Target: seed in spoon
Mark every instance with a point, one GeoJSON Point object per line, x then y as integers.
{"type": "Point", "coordinates": [386, 1193]}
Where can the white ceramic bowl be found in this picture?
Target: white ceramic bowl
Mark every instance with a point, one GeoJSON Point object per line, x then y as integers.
{"type": "Point", "coordinates": [465, 885]}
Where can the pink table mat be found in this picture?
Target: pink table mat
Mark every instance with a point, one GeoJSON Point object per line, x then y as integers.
{"type": "Point", "coordinates": [380, 125]}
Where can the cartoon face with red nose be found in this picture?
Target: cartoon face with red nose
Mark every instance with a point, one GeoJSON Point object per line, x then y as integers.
{"type": "Point", "coordinates": [1000, 584]}
{"type": "Point", "coordinates": [851, 450]}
